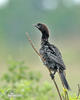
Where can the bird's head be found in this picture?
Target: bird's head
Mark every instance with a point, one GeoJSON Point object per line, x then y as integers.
{"type": "Point", "coordinates": [44, 30]}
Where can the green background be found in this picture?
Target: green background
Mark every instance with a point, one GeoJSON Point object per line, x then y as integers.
{"type": "Point", "coordinates": [64, 25]}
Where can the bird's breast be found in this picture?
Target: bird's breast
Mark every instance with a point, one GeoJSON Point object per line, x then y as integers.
{"type": "Point", "coordinates": [43, 50]}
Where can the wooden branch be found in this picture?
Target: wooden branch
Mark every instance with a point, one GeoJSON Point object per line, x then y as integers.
{"type": "Point", "coordinates": [43, 60]}
{"type": "Point", "coordinates": [78, 91]}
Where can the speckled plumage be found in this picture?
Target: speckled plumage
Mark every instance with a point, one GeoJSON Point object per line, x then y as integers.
{"type": "Point", "coordinates": [51, 55]}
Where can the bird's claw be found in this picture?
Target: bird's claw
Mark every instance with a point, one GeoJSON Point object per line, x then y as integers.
{"type": "Point", "coordinates": [52, 76]}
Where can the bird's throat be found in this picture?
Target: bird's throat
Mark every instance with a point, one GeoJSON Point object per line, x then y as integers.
{"type": "Point", "coordinates": [45, 35]}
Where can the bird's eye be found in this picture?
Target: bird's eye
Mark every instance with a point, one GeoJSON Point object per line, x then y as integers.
{"type": "Point", "coordinates": [39, 25]}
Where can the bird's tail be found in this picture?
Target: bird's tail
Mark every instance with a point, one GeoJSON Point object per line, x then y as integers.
{"type": "Point", "coordinates": [64, 81]}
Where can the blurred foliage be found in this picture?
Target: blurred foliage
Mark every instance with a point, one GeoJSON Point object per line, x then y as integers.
{"type": "Point", "coordinates": [17, 71]}
{"type": "Point", "coordinates": [67, 96]}
{"type": "Point", "coordinates": [20, 83]}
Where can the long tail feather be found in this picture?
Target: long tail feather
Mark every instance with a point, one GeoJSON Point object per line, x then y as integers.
{"type": "Point", "coordinates": [64, 81]}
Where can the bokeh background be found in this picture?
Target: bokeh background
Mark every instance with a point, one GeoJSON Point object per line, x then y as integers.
{"type": "Point", "coordinates": [63, 20]}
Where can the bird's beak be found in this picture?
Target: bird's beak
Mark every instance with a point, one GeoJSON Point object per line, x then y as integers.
{"type": "Point", "coordinates": [35, 26]}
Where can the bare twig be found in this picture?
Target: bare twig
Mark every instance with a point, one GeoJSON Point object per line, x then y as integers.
{"type": "Point", "coordinates": [78, 91]}
{"type": "Point", "coordinates": [66, 95]}
{"type": "Point", "coordinates": [47, 67]}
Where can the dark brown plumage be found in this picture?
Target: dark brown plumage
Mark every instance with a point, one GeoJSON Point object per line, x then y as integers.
{"type": "Point", "coordinates": [52, 55]}
{"type": "Point", "coordinates": [44, 30]}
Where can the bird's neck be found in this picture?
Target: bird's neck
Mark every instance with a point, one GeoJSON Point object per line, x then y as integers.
{"type": "Point", "coordinates": [45, 34]}
{"type": "Point", "coordinates": [44, 41]}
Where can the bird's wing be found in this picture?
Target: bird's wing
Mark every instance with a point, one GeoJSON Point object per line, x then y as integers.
{"type": "Point", "coordinates": [54, 54]}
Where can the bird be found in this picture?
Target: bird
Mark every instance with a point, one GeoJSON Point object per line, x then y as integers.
{"type": "Point", "coordinates": [51, 55]}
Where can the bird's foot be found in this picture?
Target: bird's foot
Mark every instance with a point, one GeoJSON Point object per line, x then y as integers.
{"type": "Point", "coordinates": [52, 76]}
